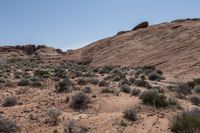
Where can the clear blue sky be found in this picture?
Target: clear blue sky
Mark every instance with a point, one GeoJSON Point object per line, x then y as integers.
{"type": "Point", "coordinates": [70, 24]}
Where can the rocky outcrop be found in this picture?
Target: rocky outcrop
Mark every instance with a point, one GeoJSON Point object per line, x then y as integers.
{"type": "Point", "coordinates": [141, 25]}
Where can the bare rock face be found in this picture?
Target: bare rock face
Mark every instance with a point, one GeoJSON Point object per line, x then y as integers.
{"type": "Point", "coordinates": [141, 25]}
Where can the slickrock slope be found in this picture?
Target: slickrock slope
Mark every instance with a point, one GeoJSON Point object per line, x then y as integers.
{"type": "Point", "coordinates": [172, 47]}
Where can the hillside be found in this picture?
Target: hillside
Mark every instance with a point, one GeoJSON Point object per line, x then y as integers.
{"type": "Point", "coordinates": [172, 47]}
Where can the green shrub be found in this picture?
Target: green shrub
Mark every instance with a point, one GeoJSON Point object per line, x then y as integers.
{"type": "Point", "coordinates": [154, 76]}
{"type": "Point", "coordinates": [130, 114]}
{"type": "Point", "coordinates": [135, 92]}
{"type": "Point", "coordinates": [94, 81]}
{"type": "Point", "coordinates": [7, 126]}
{"type": "Point", "coordinates": [125, 81]}
{"type": "Point", "coordinates": [141, 83]}
{"type": "Point", "coordinates": [79, 101]}
{"type": "Point", "coordinates": [82, 81]}
{"type": "Point", "coordinates": [186, 122]}
{"type": "Point", "coordinates": [197, 89]}
{"type": "Point", "coordinates": [87, 89]}
{"type": "Point", "coordinates": [60, 73]}
{"type": "Point", "coordinates": [9, 101]}
{"type": "Point", "coordinates": [172, 101]}
{"type": "Point", "coordinates": [36, 84]}
{"type": "Point", "coordinates": [103, 83]}
{"type": "Point", "coordinates": [195, 100]}
{"type": "Point", "coordinates": [107, 90]}
{"type": "Point", "coordinates": [53, 114]}
{"type": "Point", "coordinates": [125, 88]}
{"type": "Point", "coordinates": [73, 127]}
{"type": "Point", "coordinates": [183, 89]}
{"type": "Point", "coordinates": [41, 73]}
{"type": "Point", "coordinates": [64, 86]}
{"type": "Point", "coordinates": [24, 82]}
{"type": "Point", "coordinates": [153, 98]}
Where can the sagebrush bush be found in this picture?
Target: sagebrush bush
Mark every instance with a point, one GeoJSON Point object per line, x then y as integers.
{"type": "Point", "coordinates": [103, 83]}
{"type": "Point", "coordinates": [107, 90]}
{"type": "Point", "coordinates": [195, 100]}
{"type": "Point", "coordinates": [24, 82]}
{"type": "Point", "coordinates": [36, 84]}
{"type": "Point", "coordinates": [9, 101]}
{"type": "Point", "coordinates": [79, 101]}
{"type": "Point", "coordinates": [73, 127]}
{"type": "Point", "coordinates": [172, 101]}
{"type": "Point", "coordinates": [53, 114]}
{"type": "Point", "coordinates": [125, 81]}
{"type": "Point", "coordinates": [197, 89]}
{"type": "Point", "coordinates": [41, 73]}
{"type": "Point", "coordinates": [183, 89]}
{"type": "Point", "coordinates": [60, 73]}
{"type": "Point", "coordinates": [186, 122]}
{"type": "Point", "coordinates": [135, 92]}
{"type": "Point", "coordinates": [154, 76]}
{"type": "Point", "coordinates": [125, 88]}
{"type": "Point", "coordinates": [153, 98]}
{"type": "Point", "coordinates": [141, 83]}
{"type": "Point", "coordinates": [7, 126]}
{"type": "Point", "coordinates": [82, 81]}
{"type": "Point", "coordinates": [64, 86]}
{"type": "Point", "coordinates": [94, 81]}
{"type": "Point", "coordinates": [87, 89]}
{"type": "Point", "coordinates": [130, 114]}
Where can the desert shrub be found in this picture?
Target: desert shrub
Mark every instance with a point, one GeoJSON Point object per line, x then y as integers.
{"type": "Point", "coordinates": [82, 81]}
{"type": "Point", "coordinates": [125, 88]}
{"type": "Point", "coordinates": [142, 77]}
{"type": "Point", "coordinates": [9, 101]}
{"type": "Point", "coordinates": [183, 89]}
{"type": "Point", "coordinates": [2, 80]}
{"type": "Point", "coordinates": [172, 101]}
{"type": "Point", "coordinates": [117, 74]}
{"type": "Point", "coordinates": [107, 90]}
{"type": "Point", "coordinates": [105, 69]}
{"type": "Point", "coordinates": [87, 89]}
{"type": "Point", "coordinates": [186, 122]}
{"type": "Point", "coordinates": [7, 126]}
{"type": "Point", "coordinates": [36, 84]}
{"type": "Point", "coordinates": [73, 127]}
{"type": "Point", "coordinates": [130, 114]}
{"type": "Point", "coordinates": [195, 100]}
{"type": "Point", "coordinates": [53, 114]}
{"type": "Point", "coordinates": [135, 92]}
{"type": "Point", "coordinates": [132, 80]}
{"type": "Point", "coordinates": [196, 81]}
{"type": "Point", "coordinates": [125, 81]}
{"type": "Point", "coordinates": [154, 76]}
{"type": "Point", "coordinates": [191, 84]}
{"type": "Point", "coordinates": [197, 89]}
{"type": "Point", "coordinates": [138, 72]}
{"type": "Point", "coordinates": [24, 82]}
{"type": "Point", "coordinates": [60, 73]}
{"type": "Point", "coordinates": [94, 81]}
{"type": "Point", "coordinates": [103, 83]}
{"type": "Point", "coordinates": [153, 98]}
{"type": "Point", "coordinates": [41, 73]}
{"type": "Point", "coordinates": [79, 101]}
{"type": "Point", "coordinates": [141, 83]}
{"type": "Point", "coordinates": [159, 72]}
{"type": "Point", "coordinates": [64, 86]}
